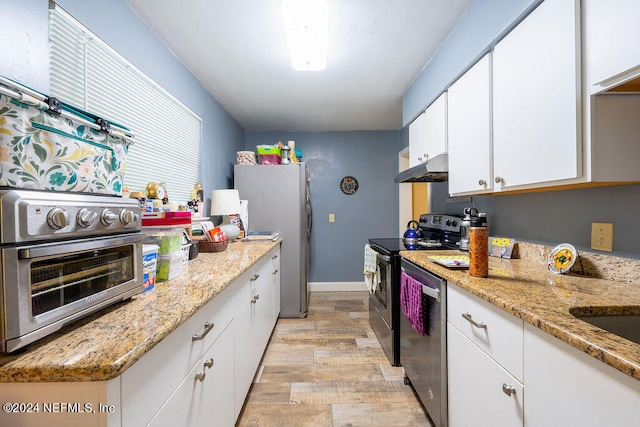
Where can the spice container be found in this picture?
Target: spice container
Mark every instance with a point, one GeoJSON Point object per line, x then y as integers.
{"type": "Point", "coordinates": [479, 246]}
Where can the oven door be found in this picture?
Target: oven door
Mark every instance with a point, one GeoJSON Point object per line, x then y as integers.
{"type": "Point", "coordinates": [381, 297]}
{"type": "Point", "coordinates": [49, 285]}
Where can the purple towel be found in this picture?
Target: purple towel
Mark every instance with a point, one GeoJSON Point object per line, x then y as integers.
{"type": "Point", "coordinates": [411, 301]}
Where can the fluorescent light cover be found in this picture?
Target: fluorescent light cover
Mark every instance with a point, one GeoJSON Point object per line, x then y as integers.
{"type": "Point", "coordinates": [306, 23]}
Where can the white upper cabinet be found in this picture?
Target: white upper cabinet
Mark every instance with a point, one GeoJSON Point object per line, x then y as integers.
{"type": "Point", "coordinates": [612, 42]}
{"type": "Point", "coordinates": [536, 98]}
{"type": "Point", "coordinates": [417, 141]}
{"type": "Point", "coordinates": [469, 131]}
{"type": "Point", "coordinates": [435, 121]}
{"type": "Point", "coordinates": [428, 132]}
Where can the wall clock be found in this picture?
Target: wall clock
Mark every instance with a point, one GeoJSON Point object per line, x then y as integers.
{"type": "Point", "coordinates": [349, 185]}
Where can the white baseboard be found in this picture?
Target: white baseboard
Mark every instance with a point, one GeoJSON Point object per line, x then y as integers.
{"type": "Point", "coordinates": [337, 286]}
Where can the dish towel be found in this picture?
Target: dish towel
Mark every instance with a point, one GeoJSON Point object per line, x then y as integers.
{"type": "Point", "coordinates": [371, 270]}
{"type": "Point", "coordinates": [411, 302]}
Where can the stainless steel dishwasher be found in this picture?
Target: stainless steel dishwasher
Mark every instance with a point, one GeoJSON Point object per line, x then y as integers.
{"type": "Point", "coordinates": [423, 339]}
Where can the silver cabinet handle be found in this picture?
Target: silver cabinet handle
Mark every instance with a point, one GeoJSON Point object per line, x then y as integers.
{"type": "Point", "coordinates": [498, 180]}
{"type": "Point", "coordinates": [508, 390]}
{"type": "Point", "coordinates": [207, 328]}
{"type": "Point", "coordinates": [255, 298]}
{"type": "Point", "coordinates": [482, 182]}
{"type": "Point", "coordinates": [201, 375]}
{"type": "Point", "coordinates": [274, 257]}
{"type": "Point", "coordinates": [480, 325]}
{"type": "Point", "coordinates": [254, 278]}
{"type": "Point", "coordinates": [275, 271]}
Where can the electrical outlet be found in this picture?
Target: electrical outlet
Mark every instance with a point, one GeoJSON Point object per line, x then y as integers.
{"type": "Point", "coordinates": [332, 218]}
{"type": "Point", "coordinates": [602, 236]}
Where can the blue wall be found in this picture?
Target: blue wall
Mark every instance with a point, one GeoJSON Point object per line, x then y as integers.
{"type": "Point", "coordinates": [24, 41]}
{"type": "Point", "coordinates": [549, 217]}
{"type": "Point", "coordinates": [370, 157]}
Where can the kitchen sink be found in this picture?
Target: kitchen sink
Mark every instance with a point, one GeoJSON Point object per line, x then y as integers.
{"type": "Point", "coordinates": [624, 325]}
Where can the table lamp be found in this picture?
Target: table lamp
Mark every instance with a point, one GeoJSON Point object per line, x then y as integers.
{"type": "Point", "coordinates": [227, 204]}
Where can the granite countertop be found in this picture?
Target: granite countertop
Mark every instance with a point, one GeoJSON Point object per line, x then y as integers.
{"type": "Point", "coordinates": [102, 346]}
{"type": "Point", "coordinates": [528, 290]}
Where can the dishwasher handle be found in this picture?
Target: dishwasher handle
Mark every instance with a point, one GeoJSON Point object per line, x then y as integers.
{"type": "Point", "coordinates": [431, 292]}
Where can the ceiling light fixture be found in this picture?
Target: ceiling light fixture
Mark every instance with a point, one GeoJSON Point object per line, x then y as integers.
{"type": "Point", "coordinates": [306, 23]}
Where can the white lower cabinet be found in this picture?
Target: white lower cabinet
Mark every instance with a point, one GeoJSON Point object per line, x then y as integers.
{"type": "Point", "coordinates": [275, 280]}
{"type": "Point", "coordinates": [253, 325]}
{"type": "Point", "coordinates": [206, 392]}
{"type": "Point", "coordinates": [566, 387]}
{"type": "Point", "coordinates": [484, 363]}
{"type": "Point", "coordinates": [481, 392]}
{"type": "Point", "coordinates": [196, 376]}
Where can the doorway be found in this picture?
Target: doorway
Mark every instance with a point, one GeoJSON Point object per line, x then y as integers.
{"type": "Point", "coordinates": [413, 198]}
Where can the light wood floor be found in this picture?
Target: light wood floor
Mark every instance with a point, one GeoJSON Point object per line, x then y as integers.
{"type": "Point", "coordinates": [329, 370]}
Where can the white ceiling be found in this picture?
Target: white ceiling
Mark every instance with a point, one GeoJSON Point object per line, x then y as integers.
{"type": "Point", "coordinates": [237, 50]}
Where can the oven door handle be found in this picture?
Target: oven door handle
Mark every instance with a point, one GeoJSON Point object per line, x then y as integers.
{"type": "Point", "coordinates": [431, 292]}
{"type": "Point", "coordinates": [384, 257]}
{"type": "Point", "coordinates": [68, 247]}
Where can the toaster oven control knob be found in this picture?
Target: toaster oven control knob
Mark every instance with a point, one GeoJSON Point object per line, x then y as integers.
{"type": "Point", "coordinates": [107, 217]}
{"type": "Point", "coordinates": [127, 217]}
{"type": "Point", "coordinates": [57, 218]}
{"type": "Point", "coordinates": [85, 218]}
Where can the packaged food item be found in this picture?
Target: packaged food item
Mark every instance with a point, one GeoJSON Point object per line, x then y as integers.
{"type": "Point", "coordinates": [169, 265]}
{"type": "Point", "coordinates": [149, 264]}
{"type": "Point", "coordinates": [479, 246]}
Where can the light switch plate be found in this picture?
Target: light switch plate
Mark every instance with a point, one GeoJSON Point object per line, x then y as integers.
{"type": "Point", "coordinates": [332, 217]}
{"type": "Point", "coordinates": [602, 236]}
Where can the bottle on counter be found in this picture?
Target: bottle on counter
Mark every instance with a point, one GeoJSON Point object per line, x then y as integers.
{"type": "Point", "coordinates": [479, 246]}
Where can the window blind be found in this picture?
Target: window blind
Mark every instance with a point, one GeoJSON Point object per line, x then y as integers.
{"type": "Point", "coordinates": [87, 73]}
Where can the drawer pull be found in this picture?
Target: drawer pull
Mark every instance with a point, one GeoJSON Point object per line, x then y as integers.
{"type": "Point", "coordinates": [208, 363]}
{"type": "Point", "coordinates": [201, 375]}
{"type": "Point", "coordinates": [255, 277]}
{"type": "Point", "coordinates": [508, 390]}
{"type": "Point", "coordinates": [255, 298]}
{"type": "Point", "coordinates": [274, 257]}
{"type": "Point", "coordinates": [275, 271]}
{"type": "Point", "coordinates": [480, 325]}
{"type": "Point", "coordinates": [207, 328]}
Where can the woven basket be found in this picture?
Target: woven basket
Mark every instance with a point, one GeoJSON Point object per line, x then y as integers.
{"type": "Point", "coordinates": [206, 246]}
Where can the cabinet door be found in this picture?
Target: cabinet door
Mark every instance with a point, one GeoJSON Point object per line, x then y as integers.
{"type": "Point", "coordinates": [479, 387]}
{"type": "Point", "coordinates": [566, 387]}
{"type": "Point", "coordinates": [613, 39]}
{"type": "Point", "coordinates": [253, 326]}
{"type": "Point", "coordinates": [536, 102]}
{"type": "Point", "coordinates": [206, 395]}
{"type": "Point", "coordinates": [417, 141]}
{"type": "Point", "coordinates": [469, 130]}
{"type": "Point", "coordinates": [435, 123]}
{"type": "Point", "coordinates": [275, 280]}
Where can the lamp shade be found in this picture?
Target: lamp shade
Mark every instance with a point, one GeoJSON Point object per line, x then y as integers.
{"type": "Point", "coordinates": [225, 202]}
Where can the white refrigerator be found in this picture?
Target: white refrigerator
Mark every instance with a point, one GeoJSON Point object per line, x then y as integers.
{"type": "Point", "coordinates": [278, 200]}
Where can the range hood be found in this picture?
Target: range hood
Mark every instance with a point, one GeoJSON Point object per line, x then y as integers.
{"type": "Point", "coordinates": [433, 170]}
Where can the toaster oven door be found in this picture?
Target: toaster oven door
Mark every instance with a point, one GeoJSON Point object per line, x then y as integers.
{"type": "Point", "coordinates": [49, 285]}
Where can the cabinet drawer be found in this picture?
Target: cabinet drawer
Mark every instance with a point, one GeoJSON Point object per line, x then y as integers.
{"type": "Point", "coordinates": [496, 332]}
{"type": "Point", "coordinates": [150, 382]}
{"type": "Point", "coordinates": [479, 388]}
{"type": "Point", "coordinates": [206, 393]}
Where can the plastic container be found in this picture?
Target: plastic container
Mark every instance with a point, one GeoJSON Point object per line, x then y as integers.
{"type": "Point", "coordinates": [268, 154]}
{"type": "Point", "coordinates": [149, 264]}
{"type": "Point", "coordinates": [168, 238]}
{"type": "Point", "coordinates": [169, 265]}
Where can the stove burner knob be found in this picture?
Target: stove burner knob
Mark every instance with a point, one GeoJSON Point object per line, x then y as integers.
{"type": "Point", "coordinates": [127, 217]}
{"type": "Point", "coordinates": [448, 222]}
{"type": "Point", "coordinates": [57, 218]}
{"type": "Point", "coordinates": [85, 217]}
{"type": "Point", "coordinates": [108, 217]}
{"type": "Point", "coordinates": [454, 223]}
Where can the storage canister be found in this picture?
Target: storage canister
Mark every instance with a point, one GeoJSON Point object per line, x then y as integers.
{"type": "Point", "coordinates": [479, 246]}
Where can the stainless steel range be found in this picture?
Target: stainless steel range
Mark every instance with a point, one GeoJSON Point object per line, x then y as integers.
{"type": "Point", "coordinates": [440, 231]}
{"type": "Point", "coordinates": [62, 257]}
